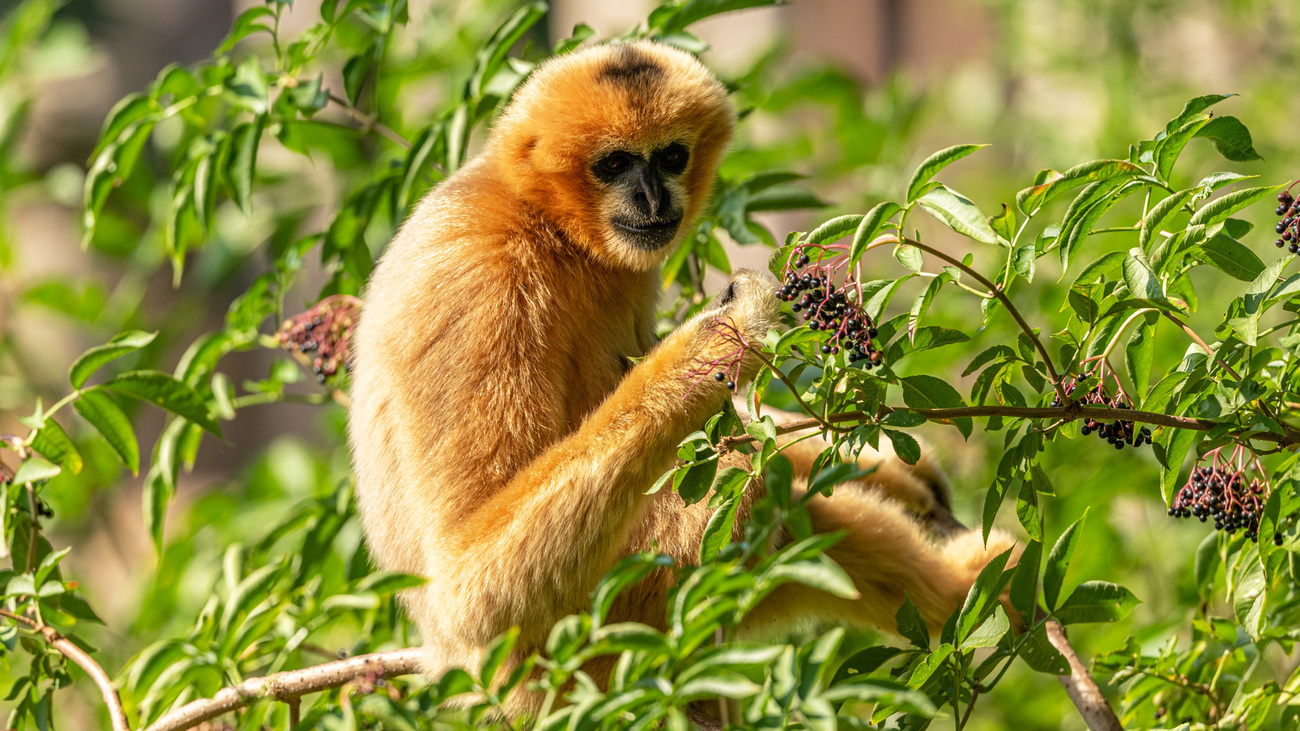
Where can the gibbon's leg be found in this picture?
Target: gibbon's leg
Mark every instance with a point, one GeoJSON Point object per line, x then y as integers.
{"type": "Point", "coordinates": [921, 488]}
{"type": "Point", "coordinates": [548, 536]}
{"type": "Point", "coordinates": [887, 554]}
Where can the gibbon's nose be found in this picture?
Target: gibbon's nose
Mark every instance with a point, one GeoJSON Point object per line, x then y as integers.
{"type": "Point", "coordinates": [647, 191]}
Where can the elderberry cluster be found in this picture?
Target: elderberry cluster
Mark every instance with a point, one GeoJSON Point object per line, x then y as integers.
{"type": "Point", "coordinates": [1226, 496]}
{"type": "Point", "coordinates": [1116, 433]}
{"type": "Point", "coordinates": [1288, 210]}
{"type": "Point", "coordinates": [323, 334]}
{"type": "Point", "coordinates": [827, 307]}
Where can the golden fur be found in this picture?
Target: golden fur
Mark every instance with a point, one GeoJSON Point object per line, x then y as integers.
{"type": "Point", "coordinates": [503, 445]}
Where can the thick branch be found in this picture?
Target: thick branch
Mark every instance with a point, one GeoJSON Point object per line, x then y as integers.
{"type": "Point", "coordinates": [1080, 686]}
{"type": "Point", "coordinates": [290, 685]}
{"type": "Point", "coordinates": [79, 656]}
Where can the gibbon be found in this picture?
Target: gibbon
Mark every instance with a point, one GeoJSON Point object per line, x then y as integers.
{"type": "Point", "coordinates": [502, 438]}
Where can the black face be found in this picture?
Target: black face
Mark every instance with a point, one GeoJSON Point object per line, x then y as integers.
{"type": "Point", "coordinates": [649, 215]}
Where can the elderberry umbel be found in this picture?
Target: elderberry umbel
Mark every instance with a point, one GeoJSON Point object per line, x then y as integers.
{"type": "Point", "coordinates": [1232, 491]}
{"type": "Point", "coordinates": [1288, 209]}
{"type": "Point", "coordinates": [1119, 432]}
{"type": "Point", "coordinates": [826, 306]}
{"type": "Point", "coordinates": [323, 334]}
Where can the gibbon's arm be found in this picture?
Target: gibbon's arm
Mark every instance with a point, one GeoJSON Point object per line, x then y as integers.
{"type": "Point", "coordinates": [548, 535]}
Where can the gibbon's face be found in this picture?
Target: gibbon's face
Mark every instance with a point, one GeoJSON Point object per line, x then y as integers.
{"type": "Point", "coordinates": [616, 145]}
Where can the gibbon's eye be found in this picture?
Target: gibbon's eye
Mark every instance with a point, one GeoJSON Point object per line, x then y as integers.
{"type": "Point", "coordinates": [612, 165]}
{"type": "Point", "coordinates": [672, 159]}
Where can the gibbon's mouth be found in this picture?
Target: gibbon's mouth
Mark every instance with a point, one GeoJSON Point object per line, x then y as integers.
{"type": "Point", "coordinates": [648, 236]}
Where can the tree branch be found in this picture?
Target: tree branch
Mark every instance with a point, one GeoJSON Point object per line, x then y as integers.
{"type": "Point", "coordinates": [290, 685]}
{"type": "Point", "coordinates": [370, 123]}
{"type": "Point", "coordinates": [1080, 686]}
{"type": "Point", "coordinates": [79, 656]}
{"type": "Point", "coordinates": [1072, 412]}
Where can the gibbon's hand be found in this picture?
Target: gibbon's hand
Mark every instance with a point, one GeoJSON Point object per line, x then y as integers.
{"type": "Point", "coordinates": [713, 347]}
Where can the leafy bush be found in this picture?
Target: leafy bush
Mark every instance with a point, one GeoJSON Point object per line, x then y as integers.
{"type": "Point", "coordinates": [289, 156]}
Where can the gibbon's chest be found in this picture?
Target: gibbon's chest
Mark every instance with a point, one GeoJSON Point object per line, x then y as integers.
{"type": "Point", "coordinates": [605, 332]}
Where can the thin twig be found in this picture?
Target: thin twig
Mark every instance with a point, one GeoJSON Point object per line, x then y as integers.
{"type": "Point", "coordinates": [1209, 352]}
{"type": "Point", "coordinates": [996, 291]}
{"type": "Point", "coordinates": [291, 685]}
{"type": "Point", "coordinates": [87, 663]}
{"type": "Point", "coordinates": [1072, 412]}
{"type": "Point", "coordinates": [370, 123]}
{"type": "Point", "coordinates": [1079, 685]}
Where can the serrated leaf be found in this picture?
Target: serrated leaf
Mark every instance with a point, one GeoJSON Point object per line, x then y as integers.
{"type": "Point", "coordinates": [35, 469]}
{"type": "Point", "coordinates": [1232, 258]}
{"type": "Point", "coordinates": [1231, 139]}
{"type": "Point", "coordinates": [53, 443]}
{"type": "Point", "coordinates": [835, 229]}
{"type": "Point", "coordinates": [933, 164]}
{"type": "Point", "coordinates": [1048, 187]}
{"type": "Point", "coordinates": [958, 213]}
{"type": "Point", "coordinates": [1160, 213]}
{"type": "Point", "coordinates": [1096, 601]}
{"type": "Point", "coordinates": [162, 390]}
{"type": "Point", "coordinates": [244, 140]}
{"type": "Point", "coordinates": [871, 226]}
{"type": "Point", "coordinates": [103, 413]}
{"type": "Point", "coordinates": [1221, 208]}
{"type": "Point", "coordinates": [1058, 561]}
{"type": "Point", "coordinates": [911, 624]}
{"type": "Point", "coordinates": [95, 358]}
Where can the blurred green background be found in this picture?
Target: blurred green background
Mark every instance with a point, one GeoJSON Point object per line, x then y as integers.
{"type": "Point", "coordinates": [851, 93]}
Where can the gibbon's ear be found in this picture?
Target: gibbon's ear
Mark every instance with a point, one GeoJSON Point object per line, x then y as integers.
{"type": "Point", "coordinates": [617, 146]}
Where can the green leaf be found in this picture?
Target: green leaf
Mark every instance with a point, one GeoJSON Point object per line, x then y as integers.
{"type": "Point", "coordinates": [905, 446]}
{"type": "Point", "coordinates": [1049, 185]}
{"type": "Point", "coordinates": [1004, 224]}
{"type": "Point", "coordinates": [1059, 560]}
{"type": "Point", "coordinates": [162, 390]}
{"type": "Point", "coordinates": [496, 655]}
{"type": "Point", "coordinates": [1231, 139]}
{"type": "Point", "coordinates": [717, 533]}
{"type": "Point", "coordinates": [1096, 601]}
{"type": "Point", "coordinates": [933, 164]}
{"type": "Point", "coordinates": [53, 443]}
{"type": "Point", "coordinates": [958, 213]}
{"type": "Point", "coordinates": [1232, 258]}
{"type": "Point", "coordinates": [1142, 283]}
{"type": "Point", "coordinates": [909, 256]}
{"type": "Point", "coordinates": [983, 595]}
{"type": "Point", "coordinates": [1169, 149]}
{"type": "Point", "coordinates": [245, 25]}
{"type": "Point", "coordinates": [95, 358]}
{"type": "Point", "coordinates": [1221, 208]}
{"type": "Point", "coordinates": [103, 413]}
{"type": "Point", "coordinates": [1138, 355]}
{"type": "Point", "coordinates": [911, 624]}
{"type": "Point", "coordinates": [818, 573]}
{"type": "Point", "coordinates": [35, 469]}
{"type": "Point", "coordinates": [835, 229]}
{"type": "Point", "coordinates": [693, 483]}
{"type": "Point", "coordinates": [871, 226]}
{"type": "Point", "coordinates": [929, 392]}
{"type": "Point", "coordinates": [1024, 585]}
{"type": "Point", "coordinates": [245, 139]}
{"type": "Point", "coordinates": [990, 632]}
{"type": "Point", "coordinates": [1160, 213]}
